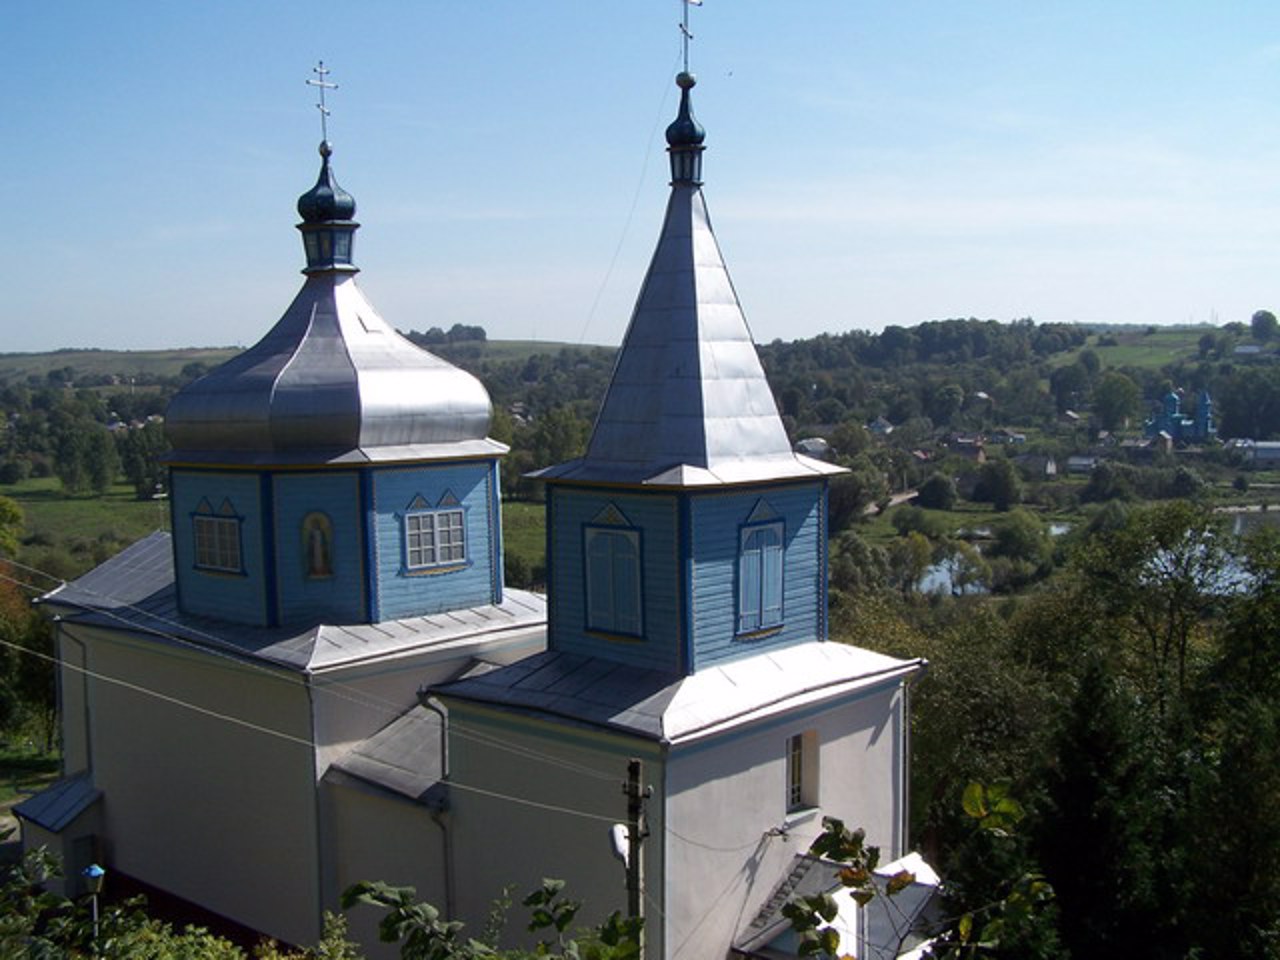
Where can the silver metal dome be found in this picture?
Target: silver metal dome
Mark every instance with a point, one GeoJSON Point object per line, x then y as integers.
{"type": "Point", "coordinates": [331, 382]}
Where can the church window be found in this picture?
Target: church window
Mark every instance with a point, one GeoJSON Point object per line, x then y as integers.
{"type": "Point", "coordinates": [216, 538]}
{"type": "Point", "coordinates": [613, 580]}
{"type": "Point", "coordinates": [435, 538]}
{"type": "Point", "coordinates": [760, 577]}
{"type": "Point", "coordinates": [802, 771]}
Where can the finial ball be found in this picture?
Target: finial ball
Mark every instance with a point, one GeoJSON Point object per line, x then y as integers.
{"type": "Point", "coordinates": [685, 80]}
{"type": "Point", "coordinates": [325, 149]}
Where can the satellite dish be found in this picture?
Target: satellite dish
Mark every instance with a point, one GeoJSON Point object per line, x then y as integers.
{"type": "Point", "coordinates": [620, 841]}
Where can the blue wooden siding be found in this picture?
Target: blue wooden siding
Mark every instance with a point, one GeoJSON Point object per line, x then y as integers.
{"type": "Point", "coordinates": [239, 598]}
{"type": "Point", "coordinates": [569, 512]}
{"type": "Point", "coordinates": [716, 523]}
{"type": "Point", "coordinates": [338, 598]}
{"type": "Point", "coordinates": [401, 594]}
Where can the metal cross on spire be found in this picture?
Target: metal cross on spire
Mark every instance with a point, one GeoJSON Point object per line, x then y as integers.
{"type": "Point", "coordinates": [321, 71]}
{"type": "Point", "coordinates": [685, 35]}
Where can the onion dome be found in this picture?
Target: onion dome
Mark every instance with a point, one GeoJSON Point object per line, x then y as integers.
{"type": "Point", "coordinates": [685, 136]}
{"type": "Point", "coordinates": [331, 382]}
{"type": "Point", "coordinates": [327, 228]}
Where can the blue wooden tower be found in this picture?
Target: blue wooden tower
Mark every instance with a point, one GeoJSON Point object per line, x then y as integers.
{"type": "Point", "coordinates": [690, 533]}
{"type": "Point", "coordinates": [334, 472]}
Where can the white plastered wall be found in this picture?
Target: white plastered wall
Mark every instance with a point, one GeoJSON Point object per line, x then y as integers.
{"type": "Point", "coordinates": [729, 836]}
{"type": "Point", "coordinates": [566, 783]}
{"type": "Point", "coordinates": [207, 776]}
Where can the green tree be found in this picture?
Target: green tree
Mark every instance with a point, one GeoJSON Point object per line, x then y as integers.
{"type": "Point", "coordinates": [937, 493]}
{"type": "Point", "coordinates": [139, 453]}
{"type": "Point", "coordinates": [998, 484]}
{"type": "Point", "coordinates": [1116, 398]}
{"type": "Point", "coordinates": [909, 558]}
{"type": "Point", "coordinates": [10, 526]}
{"type": "Point", "coordinates": [1263, 325]}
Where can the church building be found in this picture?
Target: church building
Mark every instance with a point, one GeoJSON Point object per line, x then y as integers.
{"type": "Point", "coordinates": [319, 677]}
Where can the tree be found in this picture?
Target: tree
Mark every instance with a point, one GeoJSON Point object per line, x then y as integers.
{"type": "Point", "coordinates": [1263, 325]}
{"type": "Point", "coordinates": [1158, 578]}
{"type": "Point", "coordinates": [139, 452]}
{"type": "Point", "coordinates": [423, 935]}
{"type": "Point", "coordinates": [946, 402]}
{"type": "Point", "coordinates": [1013, 917]}
{"type": "Point", "coordinates": [998, 484]}
{"type": "Point", "coordinates": [909, 558]}
{"type": "Point", "coordinates": [937, 493]}
{"type": "Point", "coordinates": [1116, 398]}
{"type": "Point", "coordinates": [1069, 385]}
{"type": "Point", "coordinates": [10, 526]}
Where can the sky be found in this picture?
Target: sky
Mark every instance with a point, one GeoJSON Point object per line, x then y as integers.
{"type": "Point", "coordinates": [869, 162]}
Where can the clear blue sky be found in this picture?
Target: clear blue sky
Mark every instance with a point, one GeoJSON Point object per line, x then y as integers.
{"type": "Point", "coordinates": [868, 163]}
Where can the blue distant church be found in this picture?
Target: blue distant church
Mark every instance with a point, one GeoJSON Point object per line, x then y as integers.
{"type": "Point", "coordinates": [319, 676]}
{"type": "Point", "coordinates": [1170, 420]}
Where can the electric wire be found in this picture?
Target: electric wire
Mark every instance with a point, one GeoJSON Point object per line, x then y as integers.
{"type": "Point", "coordinates": [635, 202]}
{"type": "Point", "coordinates": [338, 689]}
{"type": "Point", "coordinates": [384, 705]}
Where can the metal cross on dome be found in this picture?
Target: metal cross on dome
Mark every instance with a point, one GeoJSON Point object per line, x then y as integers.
{"type": "Point", "coordinates": [321, 71]}
{"type": "Point", "coordinates": [685, 35]}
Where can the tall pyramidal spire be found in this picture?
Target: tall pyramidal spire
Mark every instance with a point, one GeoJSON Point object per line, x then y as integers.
{"type": "Point", "coordinates": [688, 404]}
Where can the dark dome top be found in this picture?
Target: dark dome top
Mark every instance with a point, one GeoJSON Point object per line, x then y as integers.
{"type": "Point", "coordinates": [326, 200]}
{"type": "Point", "coordinates": [685, 131]}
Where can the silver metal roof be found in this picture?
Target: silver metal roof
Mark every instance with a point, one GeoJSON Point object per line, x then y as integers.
{"type": "Point", "coordinates": [134, 591]}
{"type": "Point", "coordinates": [688, 403]}
{"type": "Point", "coordinates": [672, 708]}
{"type": "Point", "coordinates": [404, 757]}
{"type": "Point", "coordinates": [332, 381]}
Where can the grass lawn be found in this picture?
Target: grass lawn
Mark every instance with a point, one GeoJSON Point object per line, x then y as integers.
{"type": "Point", "coordinates": [524, 531]}
{"type": "Point", "coordinates": [52, 516]}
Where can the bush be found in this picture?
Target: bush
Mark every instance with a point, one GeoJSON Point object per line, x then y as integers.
{"type": "Point", "coordinates": [937, 493]}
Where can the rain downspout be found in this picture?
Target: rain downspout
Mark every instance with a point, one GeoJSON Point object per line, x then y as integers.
{"type": "Point", "coordinates": [439, 807]}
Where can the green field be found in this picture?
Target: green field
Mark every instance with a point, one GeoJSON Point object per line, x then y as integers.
{"type": "Point", "coordinates": [16, 367]}
{"type": "Point", "coordinates": [51, 515]}
{"type": "Point", "coordinates": [1136, 347]}
{"type": "Point", "coordinates": [524, 531]}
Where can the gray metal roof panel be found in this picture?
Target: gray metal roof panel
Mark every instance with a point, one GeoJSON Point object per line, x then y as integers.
{"type": "Point", "coordinates": [671, 707]}
{"type": "Point", "coordinates": [135, 591]}
{"type": "Point", "coordinates": [688, 403]}
{"type": "Point", "coordinates": [333, 376]}
{"type": "Point", "coordinates": [688, 392]}
{"type": "Point", "coordinates": [54, 807]}
{"type": "Point", "coordinates": [404, 757]}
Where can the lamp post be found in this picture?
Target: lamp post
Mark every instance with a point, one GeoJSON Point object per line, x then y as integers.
{"type": "Point", "coordinates": [93, 875]}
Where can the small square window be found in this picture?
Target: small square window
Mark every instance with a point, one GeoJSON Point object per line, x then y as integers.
{"type": "Point", "coordinates": [217, 543]}
{"type": "Point", "coordinates": [435, 538]}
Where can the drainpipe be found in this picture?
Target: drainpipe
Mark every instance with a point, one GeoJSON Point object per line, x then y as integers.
{"type": "Point", "coordinates": [439, 807]}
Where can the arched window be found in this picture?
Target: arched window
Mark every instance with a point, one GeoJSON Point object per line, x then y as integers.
{"type": "Point", "coordinates": [613, 580]}
{"type": "Point", "coordinates": [317, 545]}
{"type": "Point", "coordinates": [760, 577]}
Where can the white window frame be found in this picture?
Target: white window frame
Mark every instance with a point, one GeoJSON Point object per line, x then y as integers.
{"type": "Point", "coordinates": [614, 570]}
{"type": "Point", "coordinates": [216, 543]}
{"type": "Point", "coordinates": [761, 576]}
{"type": "Point", "coordinates": [435, 538]}
{"type": "Point", "coordinates": [802, 771]}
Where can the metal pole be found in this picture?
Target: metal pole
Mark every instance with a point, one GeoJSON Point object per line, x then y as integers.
{"type": "Point", "coordinates": [637, 830]}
